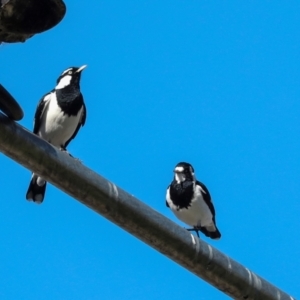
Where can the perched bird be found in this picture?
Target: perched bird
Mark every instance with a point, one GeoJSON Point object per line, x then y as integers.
{"type": "Point", "coordinates": [190, 201]}
{"type": "Point", "coordinates": [58, 118]}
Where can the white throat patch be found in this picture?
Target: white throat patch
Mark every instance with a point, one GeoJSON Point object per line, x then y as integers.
{"type": "Point", "coordinates": [180, 177]}
{"type": "Point", "coordinates": [64, 82]}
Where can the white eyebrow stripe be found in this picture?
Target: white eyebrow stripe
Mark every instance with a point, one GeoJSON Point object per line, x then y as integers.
{"type": "Point", "coordinates": [66, 71]}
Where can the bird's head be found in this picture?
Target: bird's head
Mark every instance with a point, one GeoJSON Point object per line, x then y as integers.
{"type": "Point", "coordinates": [70, 76]}
{"type": "Point", "coordinates": [184, 171]}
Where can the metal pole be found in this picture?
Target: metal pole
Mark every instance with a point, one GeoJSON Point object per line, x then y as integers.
{"type": "Point", "coordinates": [94, 191]}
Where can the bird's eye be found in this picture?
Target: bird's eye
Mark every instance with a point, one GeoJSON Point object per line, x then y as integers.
{"type": "Point", "coordinates": [70, 72]}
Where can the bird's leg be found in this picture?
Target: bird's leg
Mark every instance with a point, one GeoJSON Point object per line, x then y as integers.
{"type": "Point", "coordinates": [194, 229]}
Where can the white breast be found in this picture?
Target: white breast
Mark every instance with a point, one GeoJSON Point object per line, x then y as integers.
{"type": "Point", "coordinates": [57, 127]}
{"type": "Point", "coordinates": [198, 214]}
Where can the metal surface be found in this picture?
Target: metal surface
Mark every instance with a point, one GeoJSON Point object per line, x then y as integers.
{"type": "Point", "coordinates": [9, 105]}
{"type": "Point", "coordinates": [132, 215]}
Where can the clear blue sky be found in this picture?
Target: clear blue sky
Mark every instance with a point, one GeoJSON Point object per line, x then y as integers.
{"type": "Point", "coordinates": [212, 83]}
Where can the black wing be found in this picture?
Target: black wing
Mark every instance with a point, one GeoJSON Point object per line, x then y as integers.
{"type": "Point", "coordinates": [206, 197]}
{"type": "Point", "coordinates": [168, 190]}
{"type": "Point", "coordinates": [81, 123]}
{"type": "Point", "coordinates": [40, 109]}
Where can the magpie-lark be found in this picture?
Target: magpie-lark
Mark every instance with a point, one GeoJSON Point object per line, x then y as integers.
{"type": "Point", "coordinates": [58, 118]}
{"type": "Point", "coordinates": [190, 201]}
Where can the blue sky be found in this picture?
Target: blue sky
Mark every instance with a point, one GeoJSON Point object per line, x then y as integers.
{"type": "Point", "coordinates": [212, 83]}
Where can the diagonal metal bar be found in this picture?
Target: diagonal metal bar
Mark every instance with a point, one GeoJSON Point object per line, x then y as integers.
{"type": "Point", "coordinates": [133, 216]}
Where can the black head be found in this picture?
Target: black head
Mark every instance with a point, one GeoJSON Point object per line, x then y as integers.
{"type": "Point", "coordinates": [70, 76]}
{"type": "Point", "coordinates": [184, 171]}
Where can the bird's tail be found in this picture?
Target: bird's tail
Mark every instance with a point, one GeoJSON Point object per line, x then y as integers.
{"type": "Point", "coordinates": [211, 231]}
{"type": "Point", "coordinates": [36, 190]}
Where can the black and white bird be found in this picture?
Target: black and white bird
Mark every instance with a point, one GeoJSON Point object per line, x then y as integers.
{"type": "Point", "coordinates": [58, 118]}
{"type": "Point", "coordinates": [190, 201]}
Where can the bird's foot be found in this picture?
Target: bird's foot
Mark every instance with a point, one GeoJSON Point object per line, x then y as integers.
{"type": "Point", "coordinates": [65, 150]}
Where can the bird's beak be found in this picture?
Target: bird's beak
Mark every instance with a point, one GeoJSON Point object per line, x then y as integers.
{"type": "Point", "coordinates": [81, 68]}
